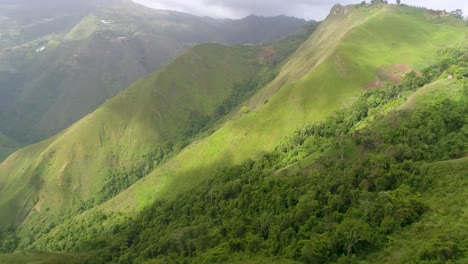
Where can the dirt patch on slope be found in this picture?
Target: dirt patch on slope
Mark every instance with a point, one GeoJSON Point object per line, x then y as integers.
{"type": "Point", "coordinates": [388, 73]}
{"type": "Point", "coordinates": [374, 84]}
{"type": "Point", "coordinates": [37, 207]}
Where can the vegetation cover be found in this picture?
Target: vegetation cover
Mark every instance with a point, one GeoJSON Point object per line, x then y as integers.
{"type": "Point", "coordinates": [316, 170]}
{"type": "Point", "coordinates": [360, 193]}
{"type": "Point", "coordinates": [337, 191]}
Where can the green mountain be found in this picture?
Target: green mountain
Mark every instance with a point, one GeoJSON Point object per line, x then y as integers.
{"type": "Point", "coordinates": [54, 73]}
{"type": "Point", "coordinates": [327, 72]}
{"type": "Point", "coordinates": [371, 194]}
{"type": "Point", "coordinates": [151, 113]}
{"type": "Point", "coordinates": [235, 154]}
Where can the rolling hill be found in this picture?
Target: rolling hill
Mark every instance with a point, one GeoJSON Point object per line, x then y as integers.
{"type": "Point", "coordinates": [64, 61]}
{"type": "Point", "coordinates": [146, 168]}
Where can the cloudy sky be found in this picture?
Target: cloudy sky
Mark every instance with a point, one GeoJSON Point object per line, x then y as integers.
{"type": "Point", "coordinates": [309, 9]}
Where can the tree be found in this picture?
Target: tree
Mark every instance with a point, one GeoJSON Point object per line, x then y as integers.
{"type": "Point", "coordinates": [317, 249]}
{"type": "Point", "coordinates": [351, 232]}
{"type": "Point", "coordinates": [458, 13]}
{"type": "Point", "coordinates": [398, 2]}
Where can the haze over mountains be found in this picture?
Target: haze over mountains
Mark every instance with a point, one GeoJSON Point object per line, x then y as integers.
{"type": "Point", "coordinates": [338, 142]}
{"type": "Point", "coordinates": [59, 60]}
{"type": "Point", "coordinates": [313, 9]}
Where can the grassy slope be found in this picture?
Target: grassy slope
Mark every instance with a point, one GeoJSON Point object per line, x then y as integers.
{"type": "Point", "coordinates": [71, 166]}
{"type": "Point", "coordinates": [18, 183]}
{"type": "Point", "coordinates": [327, 72]}
{"type": "Point", "coordinates": [446, 200]}
{"type": "Point", "coordinates": [323, 75]}
{"type": "Point", "coordinates": [439, 89]}
{"type": "Point", "coordinates": [89, 25]}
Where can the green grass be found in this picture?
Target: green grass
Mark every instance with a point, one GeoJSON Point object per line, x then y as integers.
{"type": "Point", "coordinates": [444, 88]}
{"type": "Point", "coordinates": [19, 183]}
{"type": "Point", "coordinates": [84, 29]}
{"type": "Point", "coordinates": [325, 74]}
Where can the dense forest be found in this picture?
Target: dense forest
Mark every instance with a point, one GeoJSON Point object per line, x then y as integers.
{"type": "Point", "coordinates": [333, 191]}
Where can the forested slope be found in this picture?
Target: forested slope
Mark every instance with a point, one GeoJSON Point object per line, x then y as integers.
{"type": "Point", "coordinates": [381, 180]}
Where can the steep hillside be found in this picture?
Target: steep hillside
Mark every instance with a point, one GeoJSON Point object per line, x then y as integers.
{"type": "Point", "coordinates": [181, 207]}
{"type": "Point", "coordinates": [91, 51]}
{"type": "Point", "coordinates": [350, 189]}
{"type": "Point", "coordinates": [148, 116]}
{"type": "Point", "coordinates": [323, 75]}
{"type": "Point", "coordinates": [373, 194]}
